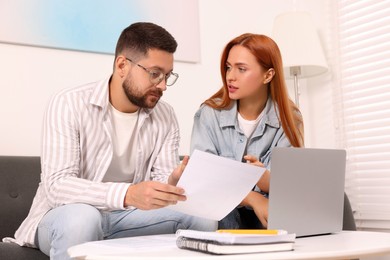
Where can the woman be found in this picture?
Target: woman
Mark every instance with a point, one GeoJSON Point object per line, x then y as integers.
{"type": "Point", "coordinates": [249, 116]}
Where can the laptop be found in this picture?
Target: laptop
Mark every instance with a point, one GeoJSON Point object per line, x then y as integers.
{"type": "Point", "coordinates": [307, 190]}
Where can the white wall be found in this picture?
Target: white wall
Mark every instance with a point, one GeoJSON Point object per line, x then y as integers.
{"type": "Point", "coordinates": [30, 75]}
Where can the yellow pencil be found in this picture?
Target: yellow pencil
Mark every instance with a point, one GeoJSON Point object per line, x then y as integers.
{"type": "Point", "coordinates": [252, 231]}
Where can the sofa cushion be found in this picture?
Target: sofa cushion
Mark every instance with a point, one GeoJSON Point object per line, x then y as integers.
{"type": "Point", "coordinates": [19, 179]}
{"type": "Point", "coordinates": [11, 251]}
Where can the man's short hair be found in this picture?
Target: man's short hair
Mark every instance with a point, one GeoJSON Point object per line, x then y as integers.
{"type": "Point", "coordinates": [140, 37]}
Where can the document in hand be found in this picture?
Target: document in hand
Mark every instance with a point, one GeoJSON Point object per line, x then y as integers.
{"type": "Point", "coordinates": [215, 185]}
{"type": "Point", "coordinates": [225, 243]}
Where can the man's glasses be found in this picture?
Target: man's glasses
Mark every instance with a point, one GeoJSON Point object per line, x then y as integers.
{"type": "Point", "coordinates": [156, 75]}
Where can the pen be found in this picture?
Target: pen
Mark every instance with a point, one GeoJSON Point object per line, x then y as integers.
{"type": "Point", "coordinates": [253, 231]}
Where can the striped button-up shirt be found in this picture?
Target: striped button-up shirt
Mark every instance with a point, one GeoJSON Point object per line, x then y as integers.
{"type": "Point", "coordinates": [77, 151]}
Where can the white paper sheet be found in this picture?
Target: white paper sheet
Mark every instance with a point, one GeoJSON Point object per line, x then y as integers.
{"type": "Point", "coordinates": [215, 185]}
{"type": "Point", "coordinates": [123, 246]}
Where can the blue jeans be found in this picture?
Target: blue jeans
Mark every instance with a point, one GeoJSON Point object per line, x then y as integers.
{"type": "Point", "coordinates": [240, 218]}
{"type": "Point", "coordinates": [74, 224]}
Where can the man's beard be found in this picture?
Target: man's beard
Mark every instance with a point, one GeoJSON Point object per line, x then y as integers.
{"type": "Point", "coordinates": [139, 99]}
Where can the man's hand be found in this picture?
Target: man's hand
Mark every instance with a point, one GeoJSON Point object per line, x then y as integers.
{"type": "Point", "coordinates": [176, 174]}
{"type": "Point", "coordinates": [153, 195]}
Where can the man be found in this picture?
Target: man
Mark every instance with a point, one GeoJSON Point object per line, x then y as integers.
{"type": "Point", "coordinates": [109, 155]}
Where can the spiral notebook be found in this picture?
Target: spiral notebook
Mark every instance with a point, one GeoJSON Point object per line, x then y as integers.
{"type": "Point", "coordinates": [234, 243]}
{"type": "Point", "coordinates": [211, 247]}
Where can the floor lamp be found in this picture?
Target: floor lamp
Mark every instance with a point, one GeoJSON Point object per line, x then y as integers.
{"type": "Point", "coordinates": [298, 41]}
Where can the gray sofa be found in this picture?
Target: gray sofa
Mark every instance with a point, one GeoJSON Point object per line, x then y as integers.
{"type": "Point", "coordinates": [19, 178]}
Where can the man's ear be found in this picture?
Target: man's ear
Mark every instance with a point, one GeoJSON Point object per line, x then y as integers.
{"type": "Point", "coordinates": [269, 75]}
{"type": "Point", "coordinates": [120, 65]}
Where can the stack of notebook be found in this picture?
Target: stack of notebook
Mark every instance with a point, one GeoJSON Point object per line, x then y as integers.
{"type": "Point", "coordinates": [235, 241]}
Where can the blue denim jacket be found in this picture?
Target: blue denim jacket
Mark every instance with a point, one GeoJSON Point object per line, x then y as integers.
{"type": "Point", "coordinates": [217, 131]}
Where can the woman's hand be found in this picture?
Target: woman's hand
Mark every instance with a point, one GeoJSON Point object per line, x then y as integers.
{"type": "Point", "coordinates": [259, 204]}
{"type": "Point", "coordinates": [253, 160]}
{"type": "Point", "coordinates": [261, 210]}
{"type": "Point", "coordinates": [263, 182]}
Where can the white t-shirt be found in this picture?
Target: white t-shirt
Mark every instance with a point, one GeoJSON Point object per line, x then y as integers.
{"type": "Point", "coordinates": [248, 126]}
{"type": "Point", "coordinates": [124, 143]}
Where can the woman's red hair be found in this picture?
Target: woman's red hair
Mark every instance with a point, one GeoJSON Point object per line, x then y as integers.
{"type": "Point", "coordinates": [268, 55]}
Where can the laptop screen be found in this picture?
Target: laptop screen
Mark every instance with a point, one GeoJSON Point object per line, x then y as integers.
{"type": "Point", "coordinates": [307, 190]}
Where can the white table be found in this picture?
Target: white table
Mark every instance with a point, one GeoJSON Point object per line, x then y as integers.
{"type": "Point", "coordinates": [343, 245]}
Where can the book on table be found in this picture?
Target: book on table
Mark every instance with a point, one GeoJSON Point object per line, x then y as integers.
{"type": "Point", "coordinates": [234, 243]}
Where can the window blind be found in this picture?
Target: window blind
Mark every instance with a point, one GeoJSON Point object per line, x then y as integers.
{"type": "Point", "coordinates": [364, 35]}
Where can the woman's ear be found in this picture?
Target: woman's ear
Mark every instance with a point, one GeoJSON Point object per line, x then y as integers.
{"type": "Point", "coordinates": [269, 75]}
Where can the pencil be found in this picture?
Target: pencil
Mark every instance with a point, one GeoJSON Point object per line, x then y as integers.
{"type": "Point", "coordinates": [252, 231]}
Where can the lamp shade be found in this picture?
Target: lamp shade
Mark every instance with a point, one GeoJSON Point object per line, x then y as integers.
{"type": "Point", "coordinates": [298, 41]}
